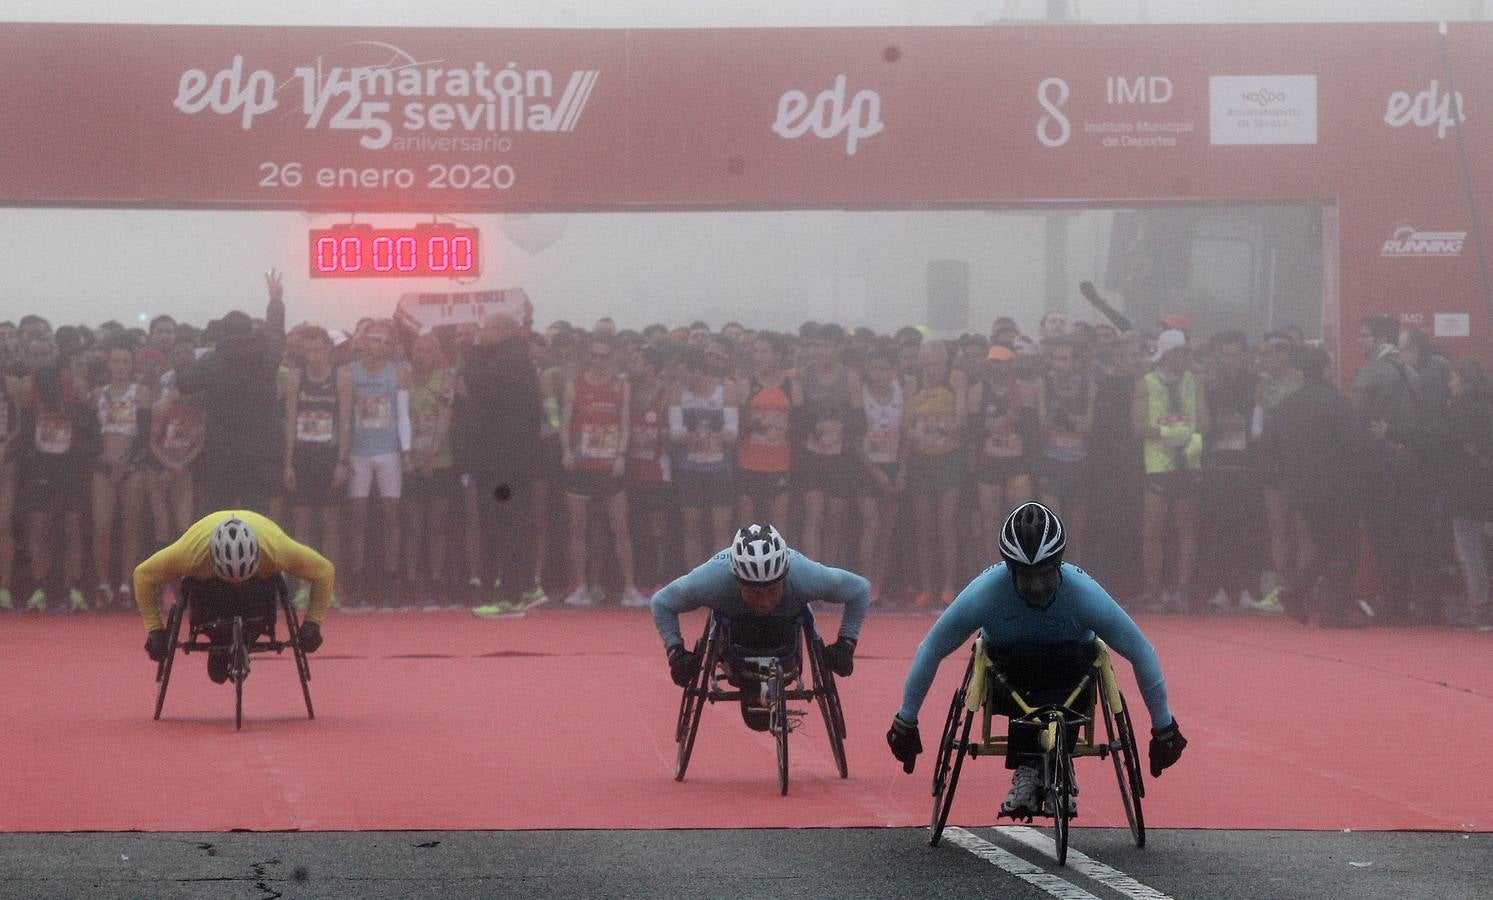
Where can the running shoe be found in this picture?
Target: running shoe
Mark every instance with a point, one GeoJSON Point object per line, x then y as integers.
{"type": "Point", "coordinates": [1025, 797]}
{"type": "Point", "coordinates": [580, 598]}
{"type": "Point", "coordinates": [633, 598]}
{"type": "Point", "coordinates": [1219, 601]}
{"type": "Point", "coordinates": [500, 610]}
{"type": "Point", "coordinates": [302, 599]}
{"type": "Point", "coordinates": [536, 597]}
{"type": "Point", "coordinates": [1270, 603]}
{"type": "Point", "coordinates": [103, 598]}
{"type": "Point", "coordinates": [922, 600]}
{"type": "Point", "coordinates": [38, 601]}
{"type": "Point", "coordinates": [125, 597]}
{"type": "Point", "coordinates": [76, 602]}
{"type": "Point", "coordinates": [1246, 599]}
{"type": "Point", "coordinates": [7, 603]}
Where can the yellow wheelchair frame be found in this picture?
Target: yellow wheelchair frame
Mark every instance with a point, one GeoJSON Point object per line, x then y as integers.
{"type": "Point", "coordinates": [976, 695]}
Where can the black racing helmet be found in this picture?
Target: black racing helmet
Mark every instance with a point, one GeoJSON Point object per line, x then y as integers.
{"type": "Point", "coordinates": [1032, 535]}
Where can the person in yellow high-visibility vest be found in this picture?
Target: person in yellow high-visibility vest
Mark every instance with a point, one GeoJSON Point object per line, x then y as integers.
{"type": "Point", "coordinates": [1169, 414]}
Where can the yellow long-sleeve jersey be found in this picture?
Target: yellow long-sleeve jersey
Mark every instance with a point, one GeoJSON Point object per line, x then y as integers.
{"type": "Point", "coordinates": [187, 558]}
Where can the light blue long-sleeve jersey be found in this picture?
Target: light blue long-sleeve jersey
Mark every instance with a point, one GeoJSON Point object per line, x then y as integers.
{"type": "Point", "coordinates": [712, 585]}
{"type": "Point", "coordinates": [1080, 611]}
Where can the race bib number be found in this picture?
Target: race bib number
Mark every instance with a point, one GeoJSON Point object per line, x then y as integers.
{"type": "Point", "coordinates": [937, 432]}
{"type": "Point", "coordinates": [1003, 444]}
{"type": "Point", "coordinates": [600, 442]}
{"type": "Point", "coordinates": [118, 417]}
{"type": "Point", "coordinates": [315, 426]}
{"type": "Point", "coordinates": [704, 448]}
{"type": "Point", "coordinates": [644, 443]}
{"type": "Point", "coordinates": [827, 438]}
{"type": "Point", "coordinates": [373, 413]}
{"type": "Point", "coordinates": [180, 436]}
{"type": "Point", "coordinates": [768, 427]}
{"type": "Point", "coordinates": [54, 434]}
{"type": "Point", "coordinates": [882, 446]}
{"type": "Point", "coordinates": [1232, 440]}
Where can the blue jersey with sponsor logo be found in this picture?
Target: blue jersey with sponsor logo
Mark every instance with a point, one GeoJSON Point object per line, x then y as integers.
{"type": "Point", "coordinates": [712, 585]}
{"type": "Point", "coordinates": [1081, 611]}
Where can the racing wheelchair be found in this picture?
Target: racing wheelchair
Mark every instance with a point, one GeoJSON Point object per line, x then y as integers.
{"type": "Point", "coordinates": [1064, 730]}
{"type": "Point", "coordinates": [739, 665]}
{"type": "Point", "coordinates": [224, 620]}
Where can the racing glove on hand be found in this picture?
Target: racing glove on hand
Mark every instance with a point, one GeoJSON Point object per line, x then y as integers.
{"type": "Point", "coordinates": [903, 738]}
{"type": "Point", "coordinates": [310, 635]}
{"type": "Point", "coordinates": [683, 665]}
{"type": "Point", "coordinates": [158, 645]}
{"type": "Point", "coordinates": [1166, 748]}
{"type": "Point", "coordinates": [840, 656]}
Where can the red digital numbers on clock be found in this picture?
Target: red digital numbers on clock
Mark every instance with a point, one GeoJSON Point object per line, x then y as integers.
{"type": "Point", "coordinates": [425, 251]}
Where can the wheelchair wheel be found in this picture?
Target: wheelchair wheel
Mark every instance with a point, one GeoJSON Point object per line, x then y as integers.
{"type": "Point", "coordinates": [1057, 783]}
{"type": "Point", "coordinates": [694, 700]}
{"type": "Point", "coordinates": [828, 696]}
{"type": "Point", "coordinates": [1127, 767]}
{"type": "Point", "coordinates": [163, 668]}
{"type": "Point", "coordinates": [946, 767]}
{"type": "Point", "coordinates": [779, 724]}
{"type": "Point", "coordinates": [238, 668]}
{"type": "Point", "coordinates": [302, 665]}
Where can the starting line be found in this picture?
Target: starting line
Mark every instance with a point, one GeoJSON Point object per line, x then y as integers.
{"type": "Point", "coordinates": [1035, 875]}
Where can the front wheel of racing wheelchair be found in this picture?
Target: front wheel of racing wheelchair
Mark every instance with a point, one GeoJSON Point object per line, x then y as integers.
{"type": "Point", "coordinates": [779, 681]}
{"type": "Point", "coordinates": [248, 630]}
{"type": "Point", "coordinates": [1055, 723]}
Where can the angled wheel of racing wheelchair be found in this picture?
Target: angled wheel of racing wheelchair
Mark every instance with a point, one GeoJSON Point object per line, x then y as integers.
{"type": "Point", "coordinates": [238, 648]}
{"type": "Point", "coordinates": [952, 747]}
{"type": "Point", "coordinates": [695, 697]}
{"type": "Point", "coordinates": [1126, 757]}
{"type": "Point", "coordinates": [827, 695]}
{"type": "Point", "coordinates": [778, 722]}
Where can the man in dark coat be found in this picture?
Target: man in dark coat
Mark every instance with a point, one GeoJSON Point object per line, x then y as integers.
{"type": "Point", "coordinates": [495, 434]}
{"type": "Point", "coordinates": [244, 439]}
{"type": "Point", "coordinates": [1316, 442]}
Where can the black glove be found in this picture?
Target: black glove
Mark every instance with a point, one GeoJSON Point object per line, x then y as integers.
{"type": "Point", "coordinates": [903, 738]}
{"type": "Point", "coordinates": [310, 637]}
{"type": "Point", "coordinates": [840, 657]}
{"type": "Point", "coordinates": [683, 665]}
{"type": "Point", "coordinates": [1166, 748]}
{"type": "Point", "coordinates": [158, 645]}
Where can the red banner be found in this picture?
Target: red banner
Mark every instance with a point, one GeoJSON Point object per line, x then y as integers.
{"type": "Point", "coordinates": [1356, 116]}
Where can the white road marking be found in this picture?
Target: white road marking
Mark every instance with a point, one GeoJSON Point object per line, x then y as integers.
{"type": "Point", "coordinates": [1005, 859]}
{"type": "Point", "coordinates": [1093, 868]}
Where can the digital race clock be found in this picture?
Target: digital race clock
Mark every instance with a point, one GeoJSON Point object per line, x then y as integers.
{"type": "Point", "coordinates": [425, 251]}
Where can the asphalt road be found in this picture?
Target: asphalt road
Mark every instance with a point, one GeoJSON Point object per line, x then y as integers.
{"type": "Point", "coordinates": [860, 863]}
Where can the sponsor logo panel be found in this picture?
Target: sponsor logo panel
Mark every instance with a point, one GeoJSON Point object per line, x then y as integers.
{"type": "Point", "coordinates": [1262, 109]}
{"type": "Point", "coordinates": [1407, 240]}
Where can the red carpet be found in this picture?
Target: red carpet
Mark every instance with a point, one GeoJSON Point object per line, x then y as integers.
{"type": "Point", "coordinates": [565, 720]}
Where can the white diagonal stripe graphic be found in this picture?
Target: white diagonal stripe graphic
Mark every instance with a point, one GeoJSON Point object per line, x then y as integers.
{"type": "Point", "coordinates": [562, 109]}
{"type": "Point", "coordinates": [581, 97]}
{"type": "Point", "coordinates": [1093, 868]}
{"type": "Point", "coordinates": [1005, 859]}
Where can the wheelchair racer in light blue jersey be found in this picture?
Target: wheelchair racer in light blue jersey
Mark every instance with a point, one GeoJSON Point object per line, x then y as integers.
{"type": "Point", "coordinates": [762, 588]}
{"type": "Point", "coordinates": [1041, 609]}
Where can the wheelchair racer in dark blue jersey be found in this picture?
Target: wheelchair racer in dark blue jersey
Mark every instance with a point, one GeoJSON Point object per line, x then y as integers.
{"type": "Point", "coordinates": [1039, 617]}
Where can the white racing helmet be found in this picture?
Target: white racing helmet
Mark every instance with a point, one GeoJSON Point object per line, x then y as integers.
{"type": "Point", "coordinates": [759, 555]}
{"type": "Point", "coordinates": [233, 551]}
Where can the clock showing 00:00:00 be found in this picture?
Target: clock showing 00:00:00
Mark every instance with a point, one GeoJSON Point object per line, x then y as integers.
{"type": "Point", "coordinates": [425, 251]}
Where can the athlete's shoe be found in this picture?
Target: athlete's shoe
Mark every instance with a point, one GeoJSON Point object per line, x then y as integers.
{"type": "Point", "coordinates": [1270, 603]}
{"type": "Point", "coordinates": [1025, 798]}
{"type": "Point", "coordinates": [302, 599]}
{"type": "Point", "coordinates": [1246, 599]}
{"type": "Point", "coordinates": [217, 666]}
{"type": "Point", "coordinates": [536, 597]}
{"type": "Point", "coordinates": [500, 610]}
{"type": "Point", "coordinates": [580, 598]}
{"type": "Point", "coordinates": [37, 601]}
{"type": "Point", "coordinates": [103, 597]}
{"type": "Point", "coordinates": [632, 597]}
{"type": "Point", "coordinates": [922, 600]}
{"type": "Point", "coordinates": [125, 597]}
{"type": "Point", "coordinates": [76, 602]}
{"type": "Point", "coordinates": [1219, 601]}
{"type": "Point", "coordinates": [7, 602]}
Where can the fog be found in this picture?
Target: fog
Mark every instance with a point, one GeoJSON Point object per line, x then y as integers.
{"type": "Point", "coordinates": [771, 269]}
